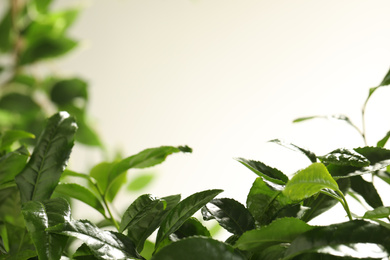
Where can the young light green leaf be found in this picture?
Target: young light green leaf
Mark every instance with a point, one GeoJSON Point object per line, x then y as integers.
{"type": "Point", "coordinates": [264, 202]}
{"type": "Point", "coordinates": [345, 157]}
{"type": "Point", "coordinates": [230, 214]}
{"type": "Point", "coordinates": [383, 141]}
{"type": "Point", "coordinates": [41, 215]}
{"type": "Point", "coordinates": [280, 231]}
{"type": "Point", "coordinates": [195, 248]}
{"type": "Point", "coordinates": [309, 154]}
{"type": "Point", "coordinates": [140, 182]}
{"type": "Point", "coordinates": [191, 227]}
{"type": "Point", "coordinates": [11, 136]}
{"type": "Point", "coordinates": [39, 178]}
{"type": "Point", "coordinates": [144, 216]}
{"type": "Point", "coordinates": [103, 244]}
{"type": "Point", "coordinates": [379, 212]}
{"type": "Point", "coordinates": [309, 181]}
{"type": "Point", "coordinates": [182, 211]}
{"type": "Point", "coordinates": [81, 193]}
{"type": "Point", "coordinates": [347, 233]}
{"type": "Point", "coordinates": [268, 173]}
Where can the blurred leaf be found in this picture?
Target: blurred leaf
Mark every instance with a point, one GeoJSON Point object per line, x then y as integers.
{"type": "Point", "coordinates": [41, 215]}
{"type": "Point", "coordinates": [268, 173]}
{"type": "Point", "coordinates": [230, 214]}
{"type": "Point", "coordinates": [191, 227]}
{"type": "Point", "coordinates": [379, 212]}
{"type": "Point", "coordinates": [12, 136]}
{"type": "Point", "coordinates": [6, 32]}
{"type": "Point", "coordinates": [312, 157]}
{"type": "Point", "coordinates": [310, 181]}
{"type": "Point", "coordinates": [195, 248]}
{"type": "Point", "coordinates": [39, 178]}
{"type": "Point", "coordinates": [103, 244]}
{"type": "Point", "coordinates": [140, 182]}
{"type": "Point", "coordinates": [347, 233]}
{"type": "Point", "coordinates": [67, 90]}
{"type": "Point", "coordinates": [41, 5]}
{"type": "Point", "coordinates": [82, 194]}
{"type": "Point", "coordinates": [19, 103]}
{"type": "Point", "coordinates": [24, 79]}
{"type": "Point", "coordinates": [44, 48]}
{"type": "Point", "coordinates": [148, 249]}
{"type": "Point", "coordinates": [182, 211]}
{"type": "Point", "coordinates": [367, 190]}
{"type": "Point", "coordinates": [386, 79]}
{"type": "Point", "coordinates": [280, 231]}
{"type": "Point", "coordinates": [383, 141]}
{"type": "Point", "coordinates": [12, 163]}
{"type": "Point", "coordinates": [345, 157]}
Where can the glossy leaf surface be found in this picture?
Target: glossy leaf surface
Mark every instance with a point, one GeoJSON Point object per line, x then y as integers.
{"type": "Point", "coordinates": [41, 215]}
{"type": "Point", "coordinates": [103, 244]}
{"type": "Point", "coordinates": [262, 170]}
{"type": "Point", "coordinates": [182, 211]}
{"type": "Point", "coordinates": [345, 157]}
{"type": "Point", "coordinates": [195, 248]}
{"type": "Point", "coordinates": [12, 163]}
{"type": "Point", "coordinates": [310, 181]}
{"type": "Point", "coordinates": [80, 193]}
{"type": "Point", "coordinates": [191, 227]}
{"type": "Point", "coordinates": [39, 178]}
{"type": "Point", "coordinates": [351, 232]}
{"type": "Point", "coordinates": [282, 230]}
{"type": "Point", "coordinates": [230, 214]}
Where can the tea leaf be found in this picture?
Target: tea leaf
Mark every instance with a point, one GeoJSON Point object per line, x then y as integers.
{"type": "Point", "coordinates": [345, 157]}
{"type": "Point", "coordinates": [262, 170]}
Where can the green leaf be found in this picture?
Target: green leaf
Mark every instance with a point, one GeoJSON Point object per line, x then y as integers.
{"type": "Point", "coordinates": [283, 230]}
{"type": "Point", "coordinates": [347, 233]}
{"type": "Point", "coordinates": [386, 79]}
{"type": "Point", "coordinates": [375, 155]}
{"type": "Point", "coordinates": [80, 193]}
{"type": "Point", "coordinates": [191, 227]}
{"type": "Point", "coordinates": [67, 90]}
{"type": "Point", "coordinates": [345, 157]}
{"type": "Point", "coordinates": [103, 244]}
{"type": "Point", "coordinates": [84, 253]}
{"type": "Point", "coordinates": [45, 48]}
{"type": "Point", "coordinates": [268, 173]}
{"type": "Point", "coordinates": [336, 117]}
{"type": "Point", "coordinates": [310, 181]}
{"type": "Point", "coordinates": [383, 141]}
{"type": "Point", "coordinates": [322, 256]}
{"type": "Point", "coordinates": [379, 212]}
{"type": "Point", "coordinates": [367, 190]}
{"type": "Point", "coordinates": [6, 40]}
{"type": "Point", "coordinates": [12, 163]}
{"type": "Point", "coordinates": [39, 178]}
{"type": "Point", "coordinates": [230, 214]}
{"type": "Point", "coordinates": [265, 202]}
{"type": "Point", "coordinates": [19, 103]}
{"type": "Point", "coordinates": [182, 211]}
{"type": "Point", "coordinates": [41, 215]}
{"type": "Point", "coordinates": [312, 157]}
{"type": "Point", "coordinates": [144, 216]}
{"type": "Point", "coordinates": [195, 248]}
{"type": "Point", "coordinates": [12, 136]}
{"type": "Point", "coordinates": [22, 255]}
{"type": "Point", "coordinates": [140, 182]}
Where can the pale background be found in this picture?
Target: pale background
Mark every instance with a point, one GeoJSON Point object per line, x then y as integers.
{"type": "Point", "coordinates": [224, 77]}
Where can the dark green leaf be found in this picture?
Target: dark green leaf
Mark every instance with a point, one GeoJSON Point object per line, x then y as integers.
{"type": "Point", "coordinates": [268, 173]}
{"type": "Point", "coordinates": [12, 163]}
{"type": "Point", "coordinates": [41, 215]}
{"type": "Point", "coordinates": [374, 154]}
{"type": "Point", "coordinates": [367, 191]}
{"type": "Point", "coordinates": [264, 202]}
{"type": "Point", "coordinates": [380, 212]}
{"type": "Point", "coordinates": [191, 227]}
{"type": "Point", "coordinates": [140, 182]}
{"type": "Point", "coordinates": [19, 103]}
{"type": "Point", "coordinates": [322, 256]}
{"type": "Point", "coordinates": [347, 233]}
{"type": "Point", "coordinates": [272, 253]}
{"type": "Point", "coordinates": [21, 255]}
{"type": "Point", "coordinates": [103, 244]}
{"type": "Point", "coordinates": [386, 79]}
{"type": "Point", "coordinates": [81, 193]}
{"type": "Point", "coordinates": [310, 181]}
{"type": "Point", "coordinates": [47, 47]}
{"type": "Point", "coordinates": [345, 157]}
{"type": "Point", "coordinates": [6, 40]}
{"type": "Point", "coordinates": [196, 248]}
{"type": "Point", "coordinates": [230, 214]}
{"type": "Point", "coordinates": [67, 90]}
{"type": "Point", "coordinates": [383, 141]}
{"type": "Point", "coordinates": [144, 216]}
{"type": "Point", "coordinates": [280, 231]}
{"type": "Point", "coordinates": [182, 211]}
{"type": "Point", "coordinates": [84, 253]}
{"type": "Point", "coordinates": [312, 157]}
{"type": "Point", "coordinates": [39, 178]}
{"type": "Point", "coordinates": [12, 136]}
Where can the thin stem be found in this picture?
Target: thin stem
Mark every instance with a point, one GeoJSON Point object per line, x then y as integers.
{"type": "Point", "coordinates": [345, 204]}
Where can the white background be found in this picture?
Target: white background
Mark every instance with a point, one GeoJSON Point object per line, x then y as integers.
{"type": "Point", "coordinates": [224, 77]}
